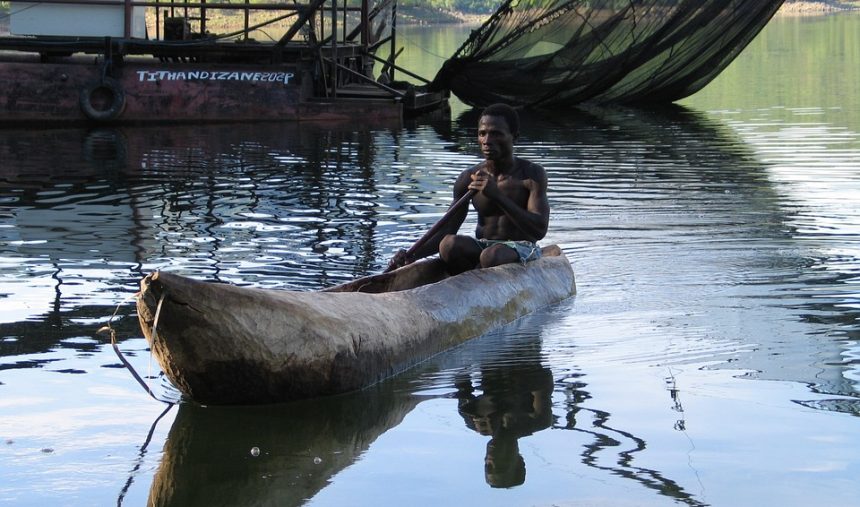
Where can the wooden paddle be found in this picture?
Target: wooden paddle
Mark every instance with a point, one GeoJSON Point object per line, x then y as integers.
{"type": "Point", "coordinates": [437, 226]}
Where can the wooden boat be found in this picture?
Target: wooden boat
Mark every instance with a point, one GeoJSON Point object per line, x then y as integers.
{"type": "Point", "coordinates": [123, 61]}
{"type": "Point", "coordinates": [222, 344]}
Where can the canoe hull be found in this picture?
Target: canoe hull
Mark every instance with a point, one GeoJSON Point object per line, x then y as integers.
{"type": "Point", "coordinates": [221, 344]}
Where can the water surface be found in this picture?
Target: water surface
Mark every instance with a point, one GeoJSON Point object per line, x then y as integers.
{"type": "Point", "coordinates": [710, 356]}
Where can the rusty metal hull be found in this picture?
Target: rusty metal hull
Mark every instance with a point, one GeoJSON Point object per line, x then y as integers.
{"type": "Point", "coordinates": [140, 90]}
{"type": "Point", "coordinates": [221, 344]}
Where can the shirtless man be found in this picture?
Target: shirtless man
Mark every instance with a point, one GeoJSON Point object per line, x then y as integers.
{"type": "Point", "coordinates": [510, 197]}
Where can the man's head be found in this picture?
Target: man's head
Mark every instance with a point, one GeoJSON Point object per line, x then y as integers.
{"type": "Point", "coordinates": [498, 128]}
{"type": "Point", "coordinates": [508, 113]}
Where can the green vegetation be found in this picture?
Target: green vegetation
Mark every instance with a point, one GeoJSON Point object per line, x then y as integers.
{"type": "Point", "coordinates": [4, 17]}
{"type": "Point", "coordinates": [476, 6]}
{"type": "Point", "coordinates": [464, 6]}
{"type": "Point", "coordinates": [467, 6]}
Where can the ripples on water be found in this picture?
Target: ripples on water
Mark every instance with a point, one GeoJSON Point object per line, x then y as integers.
{"type": "Point", "coordinates": [698, 240]}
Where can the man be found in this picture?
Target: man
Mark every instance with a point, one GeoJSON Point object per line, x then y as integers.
{"type": "Point", "coordinates": [510, 198]}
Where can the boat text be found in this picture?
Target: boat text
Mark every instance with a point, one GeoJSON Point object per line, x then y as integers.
{"type": "Point", "coordinates": [204, 75]}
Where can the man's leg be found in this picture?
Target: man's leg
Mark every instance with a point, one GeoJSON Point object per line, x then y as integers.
{"type": "Point", "coordinates": [497, 255]}
{"type": "Point", "coordinates": [460, 253]}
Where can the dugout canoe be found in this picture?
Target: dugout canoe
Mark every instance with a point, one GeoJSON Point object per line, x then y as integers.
{"type": "Point", "coordinates": [223, 344]}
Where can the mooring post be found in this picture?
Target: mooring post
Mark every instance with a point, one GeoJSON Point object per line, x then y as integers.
{"type": "Point", "coordinates": [334, 48]}
{"type": "Point", "coordinates": [393, 41]}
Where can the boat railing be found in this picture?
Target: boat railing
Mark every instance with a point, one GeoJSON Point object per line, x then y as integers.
{"type": "Point", "coordinates": [173, 19]}
{"type": "Point", "coordinates": [400, 69]}
{"type": "Point", "coordinates": [363, 78]}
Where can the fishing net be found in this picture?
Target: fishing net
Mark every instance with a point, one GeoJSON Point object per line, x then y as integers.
{"type": "Point", "coordinates": [552, 53]}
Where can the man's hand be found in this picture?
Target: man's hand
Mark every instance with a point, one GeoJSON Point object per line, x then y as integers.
{"type": "Point", "coordinates": [483, 181]}
{"type": "Point", "coordinates": [400, 259]}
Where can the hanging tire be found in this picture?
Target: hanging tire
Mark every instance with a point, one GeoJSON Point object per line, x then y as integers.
{"type": "Point", "coordinates": [103, 100]}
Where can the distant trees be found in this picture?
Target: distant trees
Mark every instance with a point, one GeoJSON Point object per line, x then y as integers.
{"type": "Point", "coordinates": [470, 6]}
{"type": "Point", "coordinates": [476, 6]}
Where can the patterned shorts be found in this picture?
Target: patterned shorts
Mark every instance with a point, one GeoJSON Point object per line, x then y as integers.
{"type": "Point", "coordinates": [527, 250]}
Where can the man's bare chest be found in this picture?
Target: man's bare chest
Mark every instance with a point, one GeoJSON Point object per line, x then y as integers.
{"type": "Point", "coordinates": [514, 189]}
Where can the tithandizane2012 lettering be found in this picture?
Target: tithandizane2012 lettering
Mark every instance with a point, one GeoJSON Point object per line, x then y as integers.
{"type": "Point", "coordinates": [206, 75]}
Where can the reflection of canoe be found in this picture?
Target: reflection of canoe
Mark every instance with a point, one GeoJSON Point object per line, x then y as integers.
{"type": "Point", "coordinates": [224, 344]}
{"type": "Point", "coordinates": [269, 455]}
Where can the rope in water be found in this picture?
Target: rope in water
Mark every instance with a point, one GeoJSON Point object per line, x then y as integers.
{"type": "Point", "coordinates": [109, 329]}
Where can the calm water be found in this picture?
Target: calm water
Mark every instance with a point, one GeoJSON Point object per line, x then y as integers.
{"type": "Point", "coordinates": [710, 357]}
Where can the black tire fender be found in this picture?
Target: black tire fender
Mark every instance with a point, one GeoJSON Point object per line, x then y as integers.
{"type": "Point", "coordinates": [116, 100]}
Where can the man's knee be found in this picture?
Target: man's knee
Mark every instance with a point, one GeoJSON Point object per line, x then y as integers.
{"type": "Point", "coordinates": [448, 246]}
{"type": "Point", "coordinates": [460, 253]}
{"type": "Point", "coordinates": [497, 255]}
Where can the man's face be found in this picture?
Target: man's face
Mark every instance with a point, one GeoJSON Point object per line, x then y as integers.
{"type": "Point", "coordinates": [495, 138]}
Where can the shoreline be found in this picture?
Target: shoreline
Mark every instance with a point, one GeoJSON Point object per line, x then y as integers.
{"type": "Point", "coordinates": [427, 16]}
{"type": "Point", "coordinates": [817, 7]}
{"type": "Point", "coordinates": [417, 16]}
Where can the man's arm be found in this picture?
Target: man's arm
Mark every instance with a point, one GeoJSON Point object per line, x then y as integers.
{"type": "Point", "coordinates": [431, 247]}
{"type": "Point", "coordinates": [533, 220]}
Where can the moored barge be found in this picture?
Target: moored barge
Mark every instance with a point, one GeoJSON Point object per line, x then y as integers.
{"type": "Point", "coordinates": [98, 61]}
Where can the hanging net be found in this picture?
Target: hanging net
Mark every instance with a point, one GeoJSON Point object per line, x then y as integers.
{"type": "Point", "coordinates": [554, 53]}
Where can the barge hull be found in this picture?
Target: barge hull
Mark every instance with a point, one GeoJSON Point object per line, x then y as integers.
{"type": "Point", "coordinates": [79, 90]}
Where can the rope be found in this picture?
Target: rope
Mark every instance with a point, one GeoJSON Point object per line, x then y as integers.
{"type": "Point", "coordinates": [109, 329]}
{"type": "Point", "coordinates": [140, 456]}
{"type": "Point", "coordinates": [154, 331]}
{"type": "Point", "coordinates": [143, 384]}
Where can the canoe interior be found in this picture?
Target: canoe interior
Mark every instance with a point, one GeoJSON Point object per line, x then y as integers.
{"type": "Point", "coordinates": [409, 277]}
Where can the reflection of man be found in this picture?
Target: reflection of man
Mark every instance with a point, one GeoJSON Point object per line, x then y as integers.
{"type": "Point", "coordinates": [504, 467]}
{"type": "Point", "coordinates": [514, 403]}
